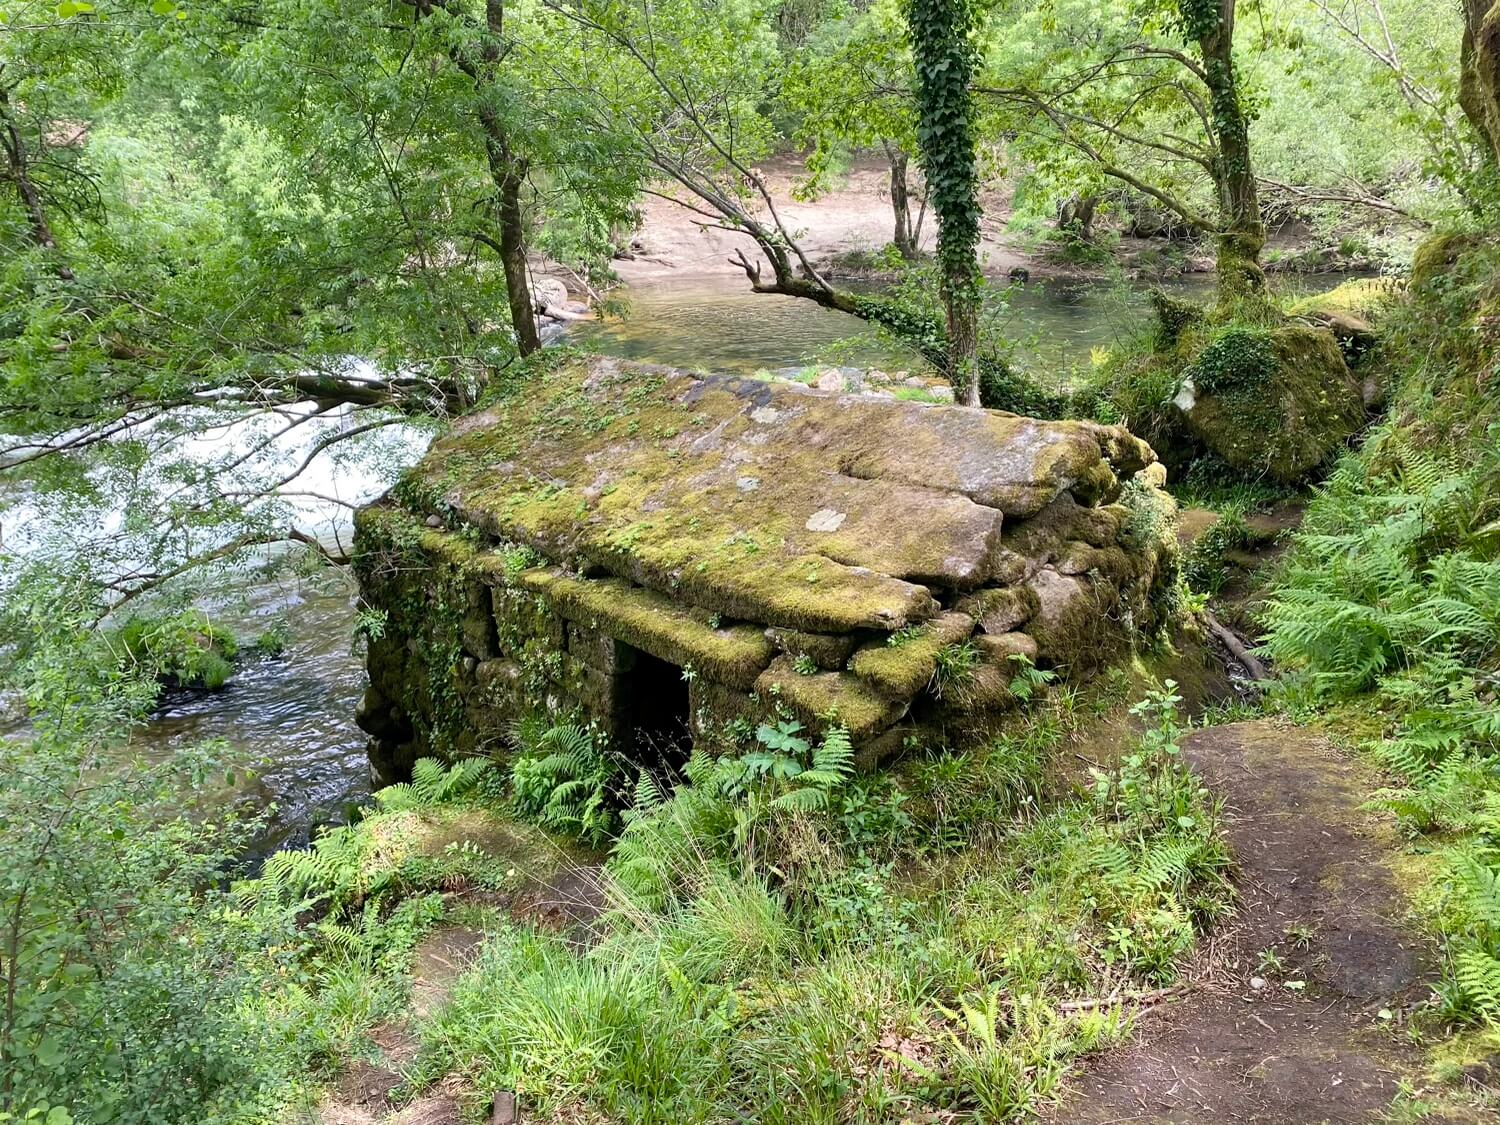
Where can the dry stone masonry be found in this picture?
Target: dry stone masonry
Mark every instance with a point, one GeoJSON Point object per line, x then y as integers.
{"type": "Point", "coordinates": [640, 548]}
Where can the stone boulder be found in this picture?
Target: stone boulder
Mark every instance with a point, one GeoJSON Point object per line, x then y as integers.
{"type": "Point", "coordinates": [1275, 402]}
{"type": "Point", "coordinates": [548, 293]}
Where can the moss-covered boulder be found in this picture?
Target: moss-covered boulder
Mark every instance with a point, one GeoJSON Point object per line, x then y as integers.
{"type": "Point", "coordinates": [1276, 402]}
{"type": "Point", "coordinates": [1352, 312]}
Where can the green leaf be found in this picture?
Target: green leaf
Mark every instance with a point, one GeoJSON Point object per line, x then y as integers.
{"type": "Point", "coordinates": [49, 1052]}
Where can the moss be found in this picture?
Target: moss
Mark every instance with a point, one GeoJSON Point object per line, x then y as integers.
{"type": "Point", "coordinates": [829, 697]}
{"type": "Point", "coordinates": [733, 655]}
{"type": "Point", "coordinates": [1066, 628]}
{"type": "Point", "coordinates": [1173, 318]}
{"type": "Point", "coordinates": [1002, 649]}
{"type": "Point", "coordinates": [1366, 298]}
{"type": "Point", "coordinates": [1275, 403]}
{"type": "Point", "coordinates": [1437, 256]}
{"type": "Point", "coordinates": [720, 491]}
{"type": "Point", "coordinates": [1000, 610]}
{"type": "Point", "coordinates": [901, 670]}
{"type": "Point", "coordinates": [824, 649]}
{"type": "Point", "coordinates": [417, 847]}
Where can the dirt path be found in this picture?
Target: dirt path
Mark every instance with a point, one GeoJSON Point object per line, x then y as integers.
{"type": "Point", "coordinates": [562, 891]}
{"type": "Point", "coordinates": [1249, 1044]}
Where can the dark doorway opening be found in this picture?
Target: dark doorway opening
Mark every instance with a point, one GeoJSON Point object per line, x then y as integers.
{"type": "Point", "coordinates": [655, 705]}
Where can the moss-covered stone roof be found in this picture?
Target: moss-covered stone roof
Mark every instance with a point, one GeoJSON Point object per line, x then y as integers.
{"type": "Point", "coordinates": [767, 502]}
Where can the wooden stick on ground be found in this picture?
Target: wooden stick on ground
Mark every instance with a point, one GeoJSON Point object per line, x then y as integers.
{"type": "Point", "coordinates": [1237, 648]}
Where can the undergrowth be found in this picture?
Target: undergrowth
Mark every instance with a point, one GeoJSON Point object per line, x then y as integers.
{"type": "Point", "coordinates": [1389, 604]}
{"type": "Point", "coordinates": [789, 940]}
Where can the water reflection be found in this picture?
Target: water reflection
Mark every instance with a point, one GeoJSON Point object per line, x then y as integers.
{"type": "Point", "coordinates": [717, 324]}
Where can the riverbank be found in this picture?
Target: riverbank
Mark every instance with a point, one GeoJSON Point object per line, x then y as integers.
{"type": "Point", "coordinates": [845, 229]}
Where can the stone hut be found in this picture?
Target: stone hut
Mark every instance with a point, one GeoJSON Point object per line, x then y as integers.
{"type": "Point", "coordinates": [668, 554]}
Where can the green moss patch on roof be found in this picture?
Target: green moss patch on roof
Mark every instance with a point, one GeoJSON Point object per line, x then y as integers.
{"type": "Point", "coordinates": [654, 623]}
{"type": "Point", "coordinates": [769, 502]}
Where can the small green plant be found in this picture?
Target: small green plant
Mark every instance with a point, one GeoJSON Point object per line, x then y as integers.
{"type": "Point", "coordinates": [566, 780]}
{"type": "Point", "coordinates": [953, 673]}
{"type": "Point", "coordinates": [1236, 358]}
{"type": "Point", "coordinates": [187, 650]}
{"type": "Point", "coordinates": [272, 643]}
{"type": "Point", "coordinates": [804, 665]}
{"type": "Point", "coordinates": [1269, 963]}
{"type": "Point", "coordinates": [904, 636]}
{"type": "Point", "coordinates": [1028, 679]}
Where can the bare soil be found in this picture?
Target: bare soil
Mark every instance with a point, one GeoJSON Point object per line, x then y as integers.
{"type": "Point", "coordinates": [855, 215]}
{"type": "Point", "coordinates": [1314, 1036]}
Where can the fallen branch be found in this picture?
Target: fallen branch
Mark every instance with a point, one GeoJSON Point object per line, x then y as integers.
{"type": "Point", "coordinates": [1237, 648]}
{"type": "Point", "coordinates": [1139, 999]}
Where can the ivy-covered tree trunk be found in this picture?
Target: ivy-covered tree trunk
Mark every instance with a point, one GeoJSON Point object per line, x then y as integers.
{"type": "Point", "coordinates": [1242, 234]}
{"type": "Point", "coordinates": [903, 237]}
{"type": "Point", "coordinates": [944, 58]}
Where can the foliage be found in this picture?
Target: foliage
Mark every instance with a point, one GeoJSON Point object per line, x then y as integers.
{"type": "Point", "coordinates": [954, 670]}
{"type": "Point", "coordinates": [684, 1007]}
{"type": "Point", "coordinates": [135, 984]}
{"type": "Point", "coordinates": [1387, 601]}
{"type": "Point", "coordinates": [186, 649]}
{"type": "Point", "coordinates": [565, 779]}
{"type": "Point", "coordinates": [1236, 357]}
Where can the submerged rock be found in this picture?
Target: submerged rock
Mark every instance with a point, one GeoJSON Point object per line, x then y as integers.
{"type": "Point", "coordinates": [634, 540]}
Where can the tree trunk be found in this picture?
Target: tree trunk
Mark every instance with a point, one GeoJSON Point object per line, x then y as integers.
{"type": "Point", "coordinates": [1077, 215]}
{"type": "Point", "coordinates": [1242, 233]}
{"type": "Point", "coordinates": [509, 173]}
{"type": "Point", "coordinates": [961, 306]}
{"type": "Point", "coordinates": [945, 59]}
{"type": "Point", "coordinates": [18, 172]}
{"type": "Point", "coordinates": [1479, 74]}
{"type": "Point", "coordinates": [904, 236]}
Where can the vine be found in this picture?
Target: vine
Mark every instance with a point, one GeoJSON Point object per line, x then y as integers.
{"type": "Point", "coordinates": [944, 58]}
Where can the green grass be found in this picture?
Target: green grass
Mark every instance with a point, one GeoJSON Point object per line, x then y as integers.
{"type": "Point", "coordinates": [899, 947]}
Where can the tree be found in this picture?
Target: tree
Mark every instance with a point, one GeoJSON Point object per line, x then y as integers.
{"type": "Point", "coordinates": [944, 58]}
{"type": "Point", "coordinates": [1123, 93]}
{"type": "Point", "coordinates": [850, 88]}
{"type": "Point", "coordinates": [288, 225]}
{"type": "Point", "coordinates": [1479, 69]}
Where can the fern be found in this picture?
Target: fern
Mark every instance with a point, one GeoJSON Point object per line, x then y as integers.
{"type": "Point", "coordinates": [1479, 886]}
{"type": "Point", "coordinates": [832, 765]}
{"type": "Point", "coordinates": [434, 783]}
{"type": "Point", "coordinates": [566, 780]}
{"type": "Point", "coordinates": [1477, 974]}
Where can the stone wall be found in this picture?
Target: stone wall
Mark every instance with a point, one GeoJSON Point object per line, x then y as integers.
{"type": "Point", "coordinates": [770, 548]}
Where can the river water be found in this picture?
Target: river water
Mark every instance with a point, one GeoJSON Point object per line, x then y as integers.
{"type": "Point", "coordinates": [288, 722]}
